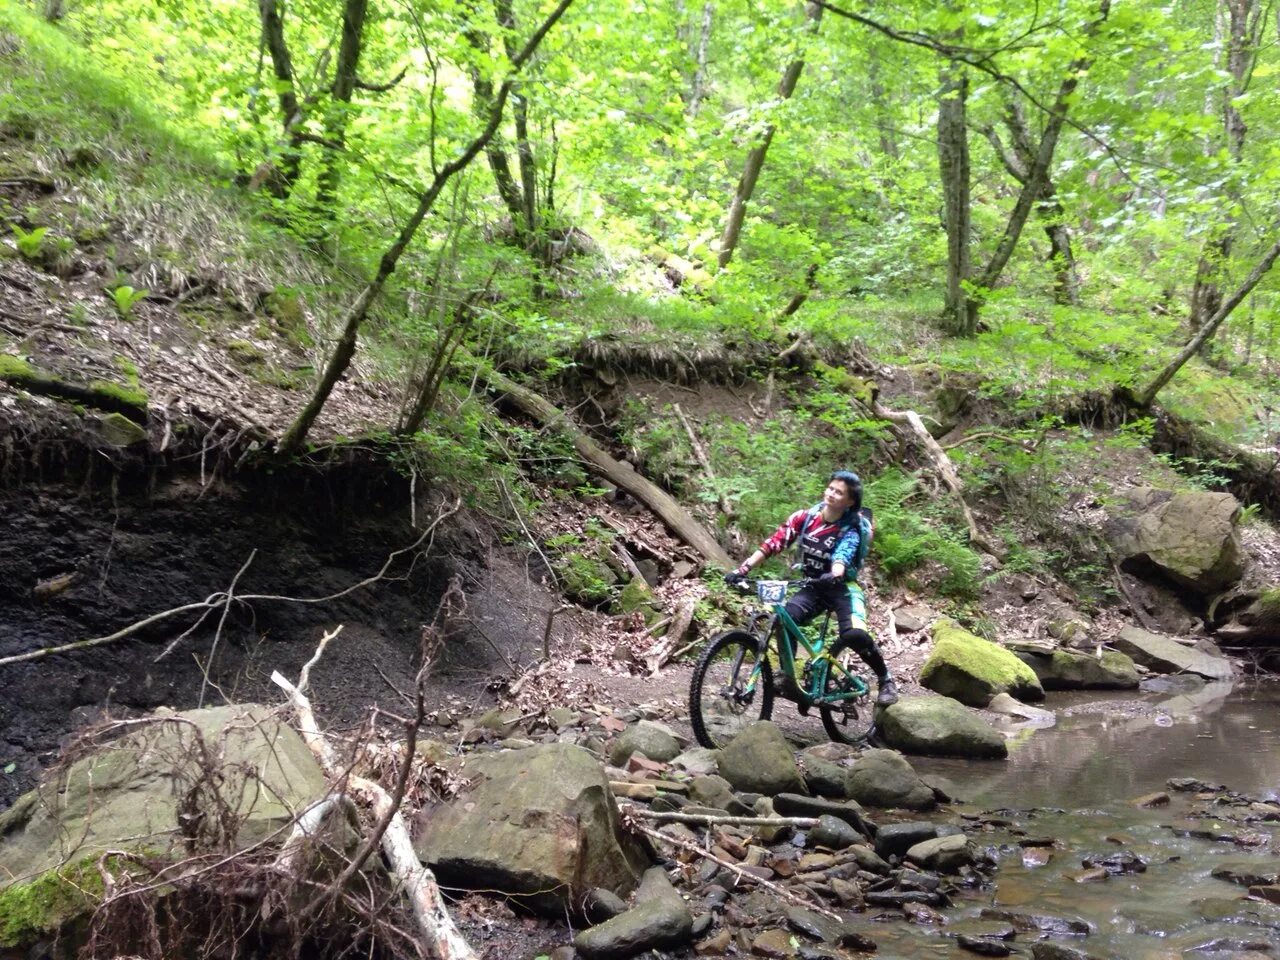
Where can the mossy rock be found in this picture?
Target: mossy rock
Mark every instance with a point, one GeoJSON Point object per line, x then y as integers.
{"type": "Point", "coordinates": [586, 580]}
{"type": "Point", "coordinates": [119, 431]}
{"type": "Point", "coordinates": [972, 670]}
{"type": "Point", "coordinates": [284, 307]}
{"type": "Point", "coordinates": [129, 396]}
{"type": "Point", "coordinates": [246, 355]}
{"type": "Point", "coordinates": [15, 368]}
{"type": "Point", "coordinates": [636, 597]}
{"type": "Point", "coordinates": [55, 899]}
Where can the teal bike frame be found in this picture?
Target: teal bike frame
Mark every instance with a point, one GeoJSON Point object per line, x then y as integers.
{"type": "Point", "coordinates": [819, 664]}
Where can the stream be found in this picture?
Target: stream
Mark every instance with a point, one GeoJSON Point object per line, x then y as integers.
{"type": "Point", "coordinates": [1075, 783]}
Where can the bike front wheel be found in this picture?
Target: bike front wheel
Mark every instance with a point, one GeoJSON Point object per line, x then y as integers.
{"type": "Point", "coordinates": [732, 686]}
{"type": "Point", "coordinates": [852, 718]}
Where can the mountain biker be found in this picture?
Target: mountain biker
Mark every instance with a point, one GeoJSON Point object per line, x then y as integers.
{"type": "Point", "coordinates": [833, 537]}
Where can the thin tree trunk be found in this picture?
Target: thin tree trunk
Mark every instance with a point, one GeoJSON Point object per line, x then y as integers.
{"type": "Point", "coordinates": [55, 10]}
{"type": "Point", "coordinates": [699, 87]}
{"type": "Point", "coordinates": [1038, 173]}
{"type": "Point", "coordinates": [1147, 396]}
{"type": "Point", "coordinates": [1244, 31]}
{"type": "Point", "coordinates": [495, 150]}
{"type": "Point", "coordinates": [879, 98]}
{"type": "Point", "coordinates": [344, 85]}
{"type": "Point", "coordinates": [293, 438]}
{"type": "Point", "coordinates": [290, 108]}
{"type": "Point", "coordinates": [959, 313]}
{"type": "Point", "coordinates": [755, 159]}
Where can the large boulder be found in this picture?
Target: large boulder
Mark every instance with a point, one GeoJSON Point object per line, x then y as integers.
{"type": "Point", "coordinates": [237, 773]}
{"type": "Point", "coordinates": [939, 726]}
{"type": "Point", "coordinates": [242, 768]}
{"type": "Point", "coordinates": [759, 760]}
{"type": "Point", "coordinates": [1189, 536]}
{"type": "Point", "coordinates": [1066, 670]}
{"type": "Point", "coordinates": [883, 778]}
{"type": "Point", "coordinates": [539, 824]}
{"type": "Point", "coordinates": [972, 670]}
{"type": "Point", "coordinates": [1166, 655]}
{"type": "Point", "coordinates": [654, 740]}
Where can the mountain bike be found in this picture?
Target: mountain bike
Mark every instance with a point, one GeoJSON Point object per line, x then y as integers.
{"type": "Point", "coordinates": [733, 681]}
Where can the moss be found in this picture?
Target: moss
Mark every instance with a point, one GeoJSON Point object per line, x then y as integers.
{"type": "Point", "coordinates": [1269, 601]}
{"type": "Point", "coordinates": [127, 367]}
{"type": "Point", "coordinates": [130, 396]}
{"type": "Point", "coordinates": [119, 431]}
{"type": "Point", "coordinates": [977, 656]}
{"type": "Point", "coordinates": [41, 906]}
{"type": "Point", "coordinates": [585, 579]}
{"type": "Point", "coordinates": [12, 367]}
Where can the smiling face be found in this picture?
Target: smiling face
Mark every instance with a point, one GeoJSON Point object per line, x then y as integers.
{"type": "Point", "coordinates": [837, 498]}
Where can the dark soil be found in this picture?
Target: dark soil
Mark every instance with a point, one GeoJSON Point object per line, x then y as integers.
{"type": "Point", "coordinates": [135, 553]}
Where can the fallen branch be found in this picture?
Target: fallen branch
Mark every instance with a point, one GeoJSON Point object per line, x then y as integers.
{"type": "Point", "coordinates": [715, 820]}
{"type": "Point", "coordinates": [1142, 616]}
{"type": "Point", "coordinates": [442, 938]}
{"type": "Point", "coordinates": [661, 652]}
{"type": "Point", "coordinates": [769, 885]}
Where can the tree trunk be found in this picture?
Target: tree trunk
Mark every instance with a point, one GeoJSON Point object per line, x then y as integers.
{"type": "Point", "coordinates": [755, 159]}
{"type": "Point", "coordinates": [293, 438]}
{"type": "Point", "coordinates": [344, 85]}
{"type": "Point", "coordinates": [55, 10]}
{"type": "Point", "coordinates": [698, 88]}
{"type": "Point", "coordinates": [959, 314]}
{"type": "Point", "coordinates": [883, 113]}
{"type": "Point", "coordinates": [1147, 396]}
{"type": "Point", "coordinates": [290, 108]}
{"type": "Point", "coordinates": [682, 524]}
{"type": "Point", "coordinates": [1244, 30]}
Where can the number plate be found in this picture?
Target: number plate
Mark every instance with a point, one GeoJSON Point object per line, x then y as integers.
{"type": "Point", "coordinates": [771, 591]}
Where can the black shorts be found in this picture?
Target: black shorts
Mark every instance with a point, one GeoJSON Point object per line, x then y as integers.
{"type": "Point", "coordinates": [845, 599]}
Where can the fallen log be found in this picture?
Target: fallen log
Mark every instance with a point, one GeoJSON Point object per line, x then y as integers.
{"type": "Point", "coordinates": [679, 520]}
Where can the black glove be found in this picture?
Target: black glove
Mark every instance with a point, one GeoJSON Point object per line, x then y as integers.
{"type": "Point", "coordinates": [735, 577]}
{"type": "Point", "coordinates": [829, 579]}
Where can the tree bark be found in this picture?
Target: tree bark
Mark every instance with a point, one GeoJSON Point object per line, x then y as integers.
{"type": "Point", "coordinates": [755, 159]}
{"type": "Point", "coordinates": [290, 107]}
{"type": "Point", "coordinates": [698, 88]}
{"type": "Point", "coordinates": [682, 524]}
{"type": "Point", "coordinates": [55, 10]}
{"type": "Point", "coordinates": [1147, 396]}
{"type": "Point", "coordinates": [1244, 30]}
{"type": "Point", "coordinates": [293, 438]}
{"type": "Point", "coordinates": [959, 313]}
{"type": "Point", "coordinates": [344, 85]}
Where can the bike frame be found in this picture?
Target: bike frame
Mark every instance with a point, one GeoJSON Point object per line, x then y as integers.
{"type": "Point", "coordinates": [790, 638]}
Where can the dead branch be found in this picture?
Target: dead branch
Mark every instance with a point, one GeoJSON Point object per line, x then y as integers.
{"type": "Point", "coordinates": [661, 652]}
{"type": "Point", "coordinates": [714, 820]}
{"type": "Point", "coordinates": [217, 634]}
{"type": "Point", "coordinates": [725, 506]}
{"type": "Point", "coordinates": [441, 937]}
{"type": "Point", "coordinates": [1142, 616]}
{"type": "Point", "coordinates": [546, 634]}
{"type": "Point", "coordinates": [734, 868]}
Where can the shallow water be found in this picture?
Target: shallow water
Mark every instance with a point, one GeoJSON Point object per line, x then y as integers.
{"type": "Point", "coordinates": [1076, 783]}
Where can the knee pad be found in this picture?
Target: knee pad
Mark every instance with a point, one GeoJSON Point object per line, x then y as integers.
{"type": "Point", "coordinates": [859, 639]}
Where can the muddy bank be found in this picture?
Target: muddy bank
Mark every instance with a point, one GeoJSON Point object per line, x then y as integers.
{"type": "Point", "coordinates": [79, 562]}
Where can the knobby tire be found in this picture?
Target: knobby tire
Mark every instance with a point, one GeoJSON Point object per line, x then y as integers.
{"type": "Point", "coordinates": [727, 663]}
{"type": "Point", "coordinates": [854, 720]}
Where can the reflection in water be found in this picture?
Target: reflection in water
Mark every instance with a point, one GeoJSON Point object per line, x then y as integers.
{"type": "Point", "coordinates": [1076, 782]}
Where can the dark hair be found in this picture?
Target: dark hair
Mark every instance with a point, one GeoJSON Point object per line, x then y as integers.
{"type": "Point", "coordinates": [853, 483]}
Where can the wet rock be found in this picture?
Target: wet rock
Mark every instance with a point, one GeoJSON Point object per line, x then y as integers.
{"type": "Point", "coordinates": [895, 839]}
{"type": "Point", "coordinates": [833, 833]}
{"type": "Point", "coordinates": [775, 942]}
{"type": "Point", "coordinates": [653, 740]}
{"type": "Point", "coordinates": [1268, 892]}
{"type": "Point", "coordinates": [602, 904]}
{"type": "Point", "coordinates": [973, 670]}
{"type": "Point", "coordinates": [1091, 875]}
{"type": "Point", "coordinates": [824, 778]}
{"type": "Point", "coordinates": [1064, 670]}
{"type": "Point", "coordinates": [848, 894]}
{"type": "Point", "coordinates": [1003, 703]}
{"type": "Point", "coordinates": [1249, 873]}
{"type": "Point", "coordinates": [760, 760]}
{"type": "Point", "coordinates": [796, 805]}
{"type": "Point", "coordinates": [1047, 950]}
{"type": "Point", "coordinates": [832, 752]}
{"type": "Point", "coordinates": [883, 778]}
{"type": "Point", "coordinates": [1165, 655]}
{"type": "Point", "coordinates": [1160, 799]}
{"type": "Point", "coordinates": [1124, 861]}
{"type": "Point", "coordinates": [939, 726]}
{"type": "Point", "coordinates": [987, 929]}
{"type": "Point", "coordinates": [1039, 922]}
{"type": "Point", "coordinates": [984, 946]}
{"type": "Point", "coordinates": [660, 920]}
{"type": "Point", "coordinates": [1188, 536]}
{"type": "Point", "coordinates": [899, 898]}
{"type": "Point", "coordinates": [538, 822]}
{"type": "Point", "coordinates": [944, 854]}
{"type": "Point", "coordinates": [716, 945]}
{"type": "Point", "coordinates": [764, 807]}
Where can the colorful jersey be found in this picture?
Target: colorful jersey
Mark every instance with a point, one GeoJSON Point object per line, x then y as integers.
{"type": "Point", "coordinates": [820, 543]}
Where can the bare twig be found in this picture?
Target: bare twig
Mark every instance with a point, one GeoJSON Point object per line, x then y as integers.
{"type": "Point", "coordinates": [725, 506]}
{"type": "Point", "coordinates": [217, 634]}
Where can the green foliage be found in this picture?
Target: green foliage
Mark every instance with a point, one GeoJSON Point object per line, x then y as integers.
{"type": "Point", "coordinates": [126, 298]}
{"type": "Point", "coordinates": [133, 396]}
{"type": "Point", "coordinates": [30, 243]}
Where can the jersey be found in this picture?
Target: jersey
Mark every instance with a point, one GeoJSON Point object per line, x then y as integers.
{"type": "Point", "coordinates": [821, 543]}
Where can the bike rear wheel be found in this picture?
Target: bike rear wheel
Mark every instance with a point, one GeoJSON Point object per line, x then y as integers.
{"type": "Point", "coordinates": [720, 703]}
{"type": "Point", "coordinates": [851, 720]}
